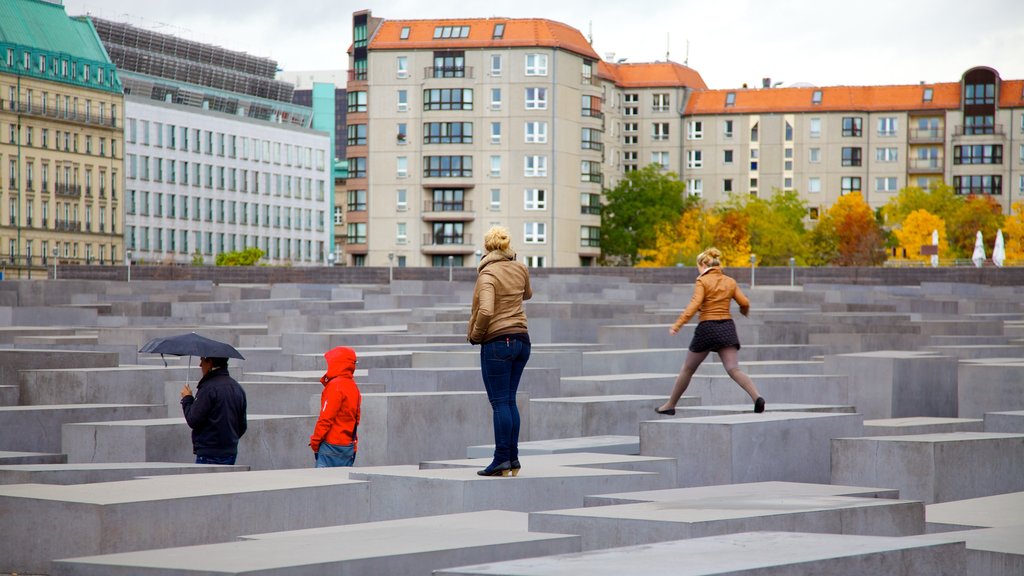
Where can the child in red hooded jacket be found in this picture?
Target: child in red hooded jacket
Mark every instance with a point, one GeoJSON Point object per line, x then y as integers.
{"type": "Point", "coordinates": [334, 436]}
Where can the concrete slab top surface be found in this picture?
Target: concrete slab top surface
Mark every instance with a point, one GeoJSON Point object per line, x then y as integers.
{"type": "Point", "coordinates": [505, 519]}
{"type": "Point", "coordinates": [919, 421]}
{"type": "Point", "coordinates": [1004, 539]}
{"type": "Point", "coordinates": [304, 374]}
{"type": "Point", "coordinates": [55, 407]}
{"type": "Point", "coordinates": [175, 487]}
{"type": "Point", "coordinates": [732, 553]}
{"type": "Point", "coordinates": [312, 547]}
{"type": "Point", "coordinates": [940, 437]}
{"type": "Point", "coordinates": [711, 509]}
{"type": "Point", "coordinates": [893, 354]}
{"type": "Point", "coordinates": [458, 474]}
{"type": "Point", "coordinates": [598, 399]}
{"type": "Point", "coordinates": [565, 459]}
{"type": "Point", "coordinates": [616, 377]}
{"type": "Point", "coordinates": [988, 511]}
{"type": "Point", "coordinates": [143, 466]}
{"type": "Point", "coordinates": [764, 489]}
{"type": "Point", "coordinates": [581, 442]}
{"type": "Point", "coordinates": [773, 407]}
{"type": "Point", "coordinates": [181, 421]}
{"type": "Point", "coordinates": [750, 417]}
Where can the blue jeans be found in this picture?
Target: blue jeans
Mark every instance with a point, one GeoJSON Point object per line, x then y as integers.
{"type": "Point", "coordinates": [332, 455]}
{"type": "Point", "coordinates": [225, 460]}
{"type": "Point", "coordinates": [502, 363]}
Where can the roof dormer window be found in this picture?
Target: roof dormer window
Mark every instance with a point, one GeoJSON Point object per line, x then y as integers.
{"type": "Point", "coordinates": [730, 99]}
{"type": "Point", "coordinates": [816, 97]}
{"type": "Point", "coordinates": [499, 31]}
{"type": "Point", "coordinates": [928, 94]}
{"type": "Point", "coordinates": [405, 33]}
{"type": "Point", "coordinates": [446, 32]}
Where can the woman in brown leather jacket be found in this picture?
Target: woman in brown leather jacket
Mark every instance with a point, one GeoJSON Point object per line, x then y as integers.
{"type": "Point", "coordinates": [498, 324]}
{"type": "Point", "coordinates": [716, 332]}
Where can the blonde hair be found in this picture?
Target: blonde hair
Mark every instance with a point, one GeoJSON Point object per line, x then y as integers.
{"type": "Point", "coordinates": [497, 238]}
{"type": "Point", "coordinates": [710, 257]}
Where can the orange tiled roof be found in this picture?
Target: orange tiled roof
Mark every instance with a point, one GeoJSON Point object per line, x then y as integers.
{"type": "Point", "coordinates": [652, 74]}
{"type": "Point", "coordinates": [518, 33]}
{"type": "Point", "coordinates": [1011, 94]}
{"type": "Point", "coordinates": [945, 96]}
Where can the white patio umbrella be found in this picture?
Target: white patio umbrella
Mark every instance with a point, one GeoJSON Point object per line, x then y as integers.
{"type": "Point", "coordinates": [935, 242]}
{"type": "Point", "coordinates": [999, 251]}
{"type": "Point", "coordinates": [979, 251]}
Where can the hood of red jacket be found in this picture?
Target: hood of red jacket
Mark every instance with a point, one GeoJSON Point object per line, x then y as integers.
{"type": "Point", "coordinates": [341, 361]}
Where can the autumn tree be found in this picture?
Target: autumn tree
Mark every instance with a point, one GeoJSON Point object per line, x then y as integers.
{"type": "Point", "coordinates": [680, 241]}
{"type": "Point", "coordinates": [247, 257]}
{"type": "Point", "coordinates": [975, 213]}
{"type": "Point", "coordinates": [940, 200]}
{"type": "Point", "coordinates": [1013, 232]}
{"type": "Point", "coordinates": [859, 239]}
{"type": "Point", "coordinates": [916, 231]}
{"type": "Point", "coordinates": [642, 203]}
{"type": "Point", "coordinates": [776, 226]}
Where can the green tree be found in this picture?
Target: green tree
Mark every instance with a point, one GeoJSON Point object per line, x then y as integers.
{"type": "Point", "coordinates": [941, 200]}
{"type": "Point", "coordinates": [975, 213]}
{"type": "Point", "coordinates": [246, 257]}
{"type": "Point", "coordinates": [644, 201]}
{"type": "Point", "coordinates": [775, 226]}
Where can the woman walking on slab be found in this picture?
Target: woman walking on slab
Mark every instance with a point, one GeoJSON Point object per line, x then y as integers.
{"type": "Point", "coordinates": [712, 295]}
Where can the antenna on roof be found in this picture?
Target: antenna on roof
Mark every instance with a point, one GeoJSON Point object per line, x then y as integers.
{"type": "Point", "coordinates": [590, 32]}
{"type": "Point", "coordinates": [686, 62]}
{"type": "Point", "coordinates": [667, 45]}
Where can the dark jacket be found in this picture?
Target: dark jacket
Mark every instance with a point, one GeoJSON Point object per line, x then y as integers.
{"type": "Point", "coordinates": [339, 402]}
{"type": "Point", "coordinates": [501, 286]}
{"type": "Point", "coordinates": [216, 414]}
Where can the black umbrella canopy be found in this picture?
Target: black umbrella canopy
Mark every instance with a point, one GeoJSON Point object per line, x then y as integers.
{"type": "Point", "coordinates": [191, 344]}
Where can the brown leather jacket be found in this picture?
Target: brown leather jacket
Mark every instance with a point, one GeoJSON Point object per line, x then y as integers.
{"type": "Point", "coordinates": [712, 295]}
{"type": "Point", "coordinates": [501, 287]}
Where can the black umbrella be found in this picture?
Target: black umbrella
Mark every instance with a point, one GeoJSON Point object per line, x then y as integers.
{"type": "Point", "coordinates": [191, 344]}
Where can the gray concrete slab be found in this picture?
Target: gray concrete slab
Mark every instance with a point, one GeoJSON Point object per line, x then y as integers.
{"type": "Point", "coordinates": [933, 467]}
{"type": "Point", "coordinates": [1009, 422]}
{"type": "Point", "coordinates": [537, 382]}
{"type": "Point", "coordinates": [747, 554]}
{"type": "Point", "coordinates": [751, 489]}
{"type": "Point", "coordinates": [665, 467]}
{"type": "Point", "coordinates": [38, 428]}
{"type": "Point", "coordinates": [106, 472]}
{"type": "Point", "coordinates": [921, 425]}
{"type": "Point", "coordinates": [9, 458]}
{"type": "Point", "coordinates": [897, 384]}
{"type": "Point", "coordinates": [990, 551]}
{"type": "Point", "coordinates": [726, 409]}
{"type": "Point", "coordinates": [617, 525]}
{"type": "Point", "coordinates": [44, 522]}
{"type": "Point", "coordinates": [569, 417]}
{"type": "Point", "coordinates": [1000, 510]}
{"type": "Point", "coordinates": [789, 446]}
{"type": "Point", "coordinates": [415, 546]}
{"type": "Point", "coordinates": [992, 385]}
{"type": "Point", "coordinates": [607, 444]}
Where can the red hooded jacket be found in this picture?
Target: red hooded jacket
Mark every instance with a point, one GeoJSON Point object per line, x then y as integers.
{"type": "Point", "coordinates": [339, 402]}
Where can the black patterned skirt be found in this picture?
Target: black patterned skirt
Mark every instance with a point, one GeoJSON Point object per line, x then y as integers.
{"type": "Point", "coordinates": [713, 335]}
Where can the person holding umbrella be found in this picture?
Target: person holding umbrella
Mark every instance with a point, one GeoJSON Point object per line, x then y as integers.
{"type": "Point", "coordinates": [216, 413]}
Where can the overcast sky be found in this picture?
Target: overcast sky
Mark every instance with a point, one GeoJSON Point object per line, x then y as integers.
{"type": "Point", "coordinates": [823, 42]}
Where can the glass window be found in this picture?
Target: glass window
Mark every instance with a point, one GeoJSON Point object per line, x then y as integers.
{"type": "Point", "coordinates": [536, 64]}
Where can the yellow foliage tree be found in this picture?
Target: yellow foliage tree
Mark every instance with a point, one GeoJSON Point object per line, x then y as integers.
{"type": "Point", "coordinates": [1013, 232]}
{"type": "Point", "coordinates": [678, 243]}
{"type": "Point", "coordinates": [917, 231]}
{"type": "Point", "coordinates": [731, 235]}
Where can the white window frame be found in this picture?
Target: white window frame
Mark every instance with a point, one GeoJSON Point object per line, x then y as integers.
{"type": "Point", "coordinates": [535, 233]}
{"type": "Point", "coordinates": [402, 106]}
{"type": "Point", "coordinates": [496, 64]}
{"type": "Point", "coordinates": [814, 127]}
{"type": "Point", "coordinates": [659, 131]}
{"type": "Point", "coordinates": [536, 98]}
{"type": "Point", "coordinates": [814, 155]}
{"type": "Point", "coordinates": [695, 187]}
{"type": "Point", "coordinates": [402, 66]}
{"type": "Point", "coordinates": [495, 166]}
{"type": "Point", "coordinates": [814, 185]}
{"type": "Point", "coordinates": [536, 65]}
{"type": "Point", "coordinates": [886, 184]}
{"type": "Point", "coordinates": [695, 130]}
{"type": "Point", "coordinates": [402, 167]}
{"type": "Point", "coordinates": [495, 132]}
{"type": "Point", "coordinates": [535, 132]}
{"type": "Point", "coordinates": [495, 103]}
{"type": "Point", "coordinates": [495, 199]}
{"type": "Point", "coordinates": [535, 199]}
{"type": "Point", "coordinates": [661, 159]}
{"type": "Point", "coordinates": [401, 233]}
{"type": "Point", "coordinates": [887, 154]}
{"type": "Point", "coordinates": [401, 200]}
{"type": "Point", "coordinates": [694, 159]}
{"type": "Point", "coordinates": [535, 166]}
{"type": "Point", "coordinates": [888, 126]}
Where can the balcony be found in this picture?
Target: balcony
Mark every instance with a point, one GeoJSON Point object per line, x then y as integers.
{"type": "Point", "coordinates": [961, 131]}
{"type": "Point", "coordinates": [448, 72]}
{"type": "Point", "coordinates": [65, 226]}
{"type": "Point", "coordinates": [925, 166]}
{"type": "Point", "coordinates": [450, 211]}
{"type": "Point", "coordinates": [591, 113]}
{"type": "Point", "coordinates": [53, 114]}
{"type": "Point", "coordinates": [447, 244]}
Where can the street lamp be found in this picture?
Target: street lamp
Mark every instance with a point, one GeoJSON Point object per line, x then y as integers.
{"type": "Point", "coordinates": [128, 260]}
{"type": "Point", "coordinates": [753, 260]}
{"type": "Point", "coordinates": [479, 255]}
{"type": "Point", "coordinates": [792, 271]}
{"type": "Point", "coordinates": [391, 267]}
{"type": "Point", "coordinates": [330, 258]}
{"type": "Point", "coordinates": [451, 260]}
{"type": "Point", "coordinates": [55, 253]}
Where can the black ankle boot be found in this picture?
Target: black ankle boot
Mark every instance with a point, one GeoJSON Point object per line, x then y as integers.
{"type": "Point", "coordinates": [515, 467]}
{"type": "Point", "coordinates": [496, 469]}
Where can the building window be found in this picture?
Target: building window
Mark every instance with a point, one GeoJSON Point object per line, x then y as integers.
{"type": "Point", "coordinates": [495, 199]}
{"type": "Point", "coordinates": [727, 185]}
{"type": "Point", "coordinates": [590, 203]}
{"type": "Point", "coordinates": [590, 171]}
{"type": "Point", "coordinates": [814, 128]}
{"type": "Point", "coordinates": [537, 132]}
{"type": "Point", "coordinates": [534, 199]}
{"type": "Point", "coordinates": [851, 156]}
{"type": "Point", "coordinates": [450, 64]}
{"type": "Point", "coordinates": [495, 98]}
{"type": "Point", "coordinates": [535, 166]}
{"type": "Point", "coordinates": [590, 139]}
{"type": "Point", "coordinates": [630, 102]}
{"type": "Point", "coordinates": [451, 32]}
{"type": "Point", "coordinates": [694, 130]}
{"type": "Point", "coordinates": [888, 154]}
{"type": "Point", "coordinates": [403, 101]}
{"type": "Point", "coordinates": [535, 233]}
{"type": "Point", "coordinates": [404, 35]}
{"type": "Point", "coordinates": [536, 98]}
{"type": "Point", "coordinates": [448, 166]}
{"type": "Point", "coordinates": [849, 184]}
{"type": "Point", "coordinates": [356, 200]}
{"type": "Point", "coordinates": [813, 185]}
{"type": "Point", "coordinates": [356, 233]}
{"type": "Point", "coordinates": [661, 159]}
{"type": "Point", "coordinates": [591, 107]}
{"type": "Point", "coordinates": [536, 64]}
{"type": "Point", "coordinates": [402, 167]}
{"type": "Point", "coordinates": [356, 168]}
{"type": "Point", "coordinates": [496, 61]}
{"type": "Point", "coordinates": [448, 133]}
{"type": "Point", "coordinates": [885, 184]}
{"type": "Point", "coordinates": [659, 131]}
{"type": "Point", "coordinates": [984, 124]}
{"type": "Point", "coordinates": [695, 187]}
{"type": "Point", "coordinates": [447, 233]}
{"type": "Point", "coordinates": [816, 97]}
{"type": "Point", "coordinates": [402, 66]}
{"type": "Point", "coordinates": [727, 156]}
{"type": "Point", "coordinates": [356, 103]}
{"type": "Point", "coordinates": [660, 102]}
{"type": "Point", "coordinates": [495, 166]}
{"type": "Point", "coordinates": [401, 200]}
{"type": "Point", "coordinates": [495, 132]}
{"type": "Point", "coordinates": [853, 126]}
{"type": "Point", "coordinates": [887, 126]}
{"type": "Point", "coordinates": [754, 132]}
{"type": "Point", "coordinates": [789, 132]}
{"type": "Point", "coordinates": [590, 236]}
{"type": "Point", "coordinates": [730, 99]}
{"type": "Point", "coordinates": [357, 134]}
{"type": "Point", "coordinates": [448, 99]}
{"type": "Point", "coordinates": [448, 200]}
{"type": "Point", "coordinates": [979, 94]}
{"type": "Point", "coordinates": [694, 159]}
{"type": "Point", "coordinates": [978, 184]}
{"type": "Point", "coordinates": [755, 153]}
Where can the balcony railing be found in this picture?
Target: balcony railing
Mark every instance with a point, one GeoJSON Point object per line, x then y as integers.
{"type": "Point", "coordinates": [448, 71]}
{"type": "Point", "coordinates": [962, 130]}
{"type": "Point", "coordinates": [447, 206]}
{"type": "Point", "coordinates": [925, 165]}
{"type": "Point", "coordinates": [65, 226]}
{"type": "Point", "coordinates": [70, 190]}
{"type": "Point", "coordinates": [590, 242]}
{"type": "Point", "coordinates": [592, 113]}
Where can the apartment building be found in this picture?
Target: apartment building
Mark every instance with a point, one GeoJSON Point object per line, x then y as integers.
{"type": "Point", "coordinates": [60, 140]}
{"type": "Point", "coordinates": [217, 158]}
{"type": "Point", "coordinates": [825, 142]}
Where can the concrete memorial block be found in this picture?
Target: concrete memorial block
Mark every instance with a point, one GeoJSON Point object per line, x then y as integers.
{"type": "Point", "coordinates": [455, 490]}
{"type": "Point", "coordinates": [897, 384]}
{"type": "Point", "coordinates": [665, 467]}
{"type": "Point", "coordinates": [608, 444]}
{"type": "Point", "coordinates": [796, 388]}
{"type": "Point", "coordinates": [759, 489]}
{"type": "Point", "coordinates": [105, 472]}
{"type": "Point", "coordinates": [38, 428]}
{"type": "Point", "coordinates": [921, 425]}
{"type": "Point", "coordinates": [617, 525]}
{"type": "Point", "coordinates": [411, 427]}
{"type": "Point", "coordinates": [14, 458]}
{"type": "Point", "coordinates": [724, 409]}
{"type": "Point", "coordinates": [130, 383]}
{"type": "Point", "coordinates": [990, 551]}
{"type": "Point", "coordinates": [9, 395]}
{"type": "Point", "coordinates": [13, 360]}
{"type": "Point", "coordinates": [1010, 422]}
{"type": "Point", "coordinates": [749, 553]}
{"type": "Point", "coordinates": [1000, 510]}
{"type": "Point", "coordinates": [271, 442]}
{"type": "Point", "coordinates": [285, 397]}
{"type": "Point", "coordinates": [640, 383]}
{"type": "Point", "coordinates": [933, 467]}
{"type": "Point", "coordinates": [788, 446]}
{"type": "Point", "coordinates": [590, 415]}
{"type": "Point", "coordinates": [44, 522]}
{"type": "Point", "coordinates": [415, 546]}
{"type": "Point", "coordinates": [537, 382]}
{"type": "Point", "coordinates": [712, 366]}
{"type": "Point", "coordinates": [994, 385]}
